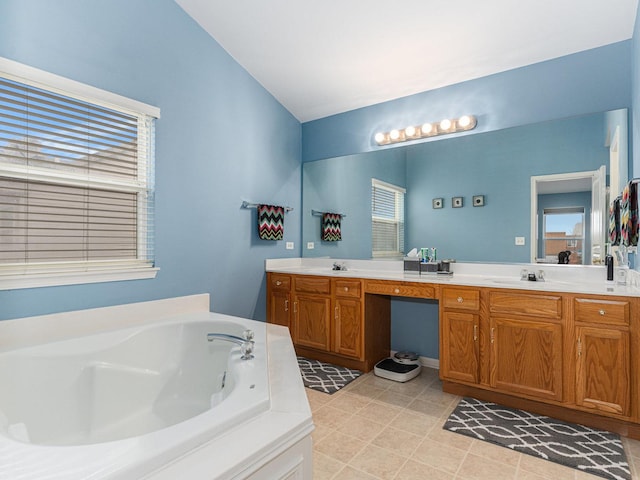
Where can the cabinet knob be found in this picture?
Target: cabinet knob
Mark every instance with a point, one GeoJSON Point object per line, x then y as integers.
{"type": "Point", "coordinates": [397, 290]}
{"type": "Point", "coordinates": [460, 299]}
{"type": "Point", "coordinates": [278, 283]}
{"type": "Point", "coordinates": [346, 289]}
{"type": "Point", "coordinates": [602, 312]}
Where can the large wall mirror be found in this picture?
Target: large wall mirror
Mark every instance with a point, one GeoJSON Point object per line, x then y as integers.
{"type": "Point", "coordinates": [499, 166]}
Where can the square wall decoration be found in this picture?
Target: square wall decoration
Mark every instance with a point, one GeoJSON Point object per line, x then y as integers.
{"type": "Point", "coordinates": [437, 202]}
{"type": "Point", "coordinates": [456, 202]}
{"type": "Point", "coordinates": [478, 200]}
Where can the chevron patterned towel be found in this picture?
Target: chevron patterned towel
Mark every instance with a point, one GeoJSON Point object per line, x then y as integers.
{"type": "Point", "coordinates": [625, 217]}
{"type": "Point", "coordinates": [270, 222]}
{"type": "Point", "coordinates": [331, 230]}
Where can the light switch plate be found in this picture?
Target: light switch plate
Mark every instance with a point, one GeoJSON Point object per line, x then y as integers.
{"type": "Point", "coordinates": [310, 246]}
{"type": "Point", "coordinates": [289, 246]}
{"type": "Point", "coordinates": [519, 240]}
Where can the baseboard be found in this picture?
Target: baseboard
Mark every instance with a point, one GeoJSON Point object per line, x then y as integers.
{"type": "Point", "coordinates": [425, 361]}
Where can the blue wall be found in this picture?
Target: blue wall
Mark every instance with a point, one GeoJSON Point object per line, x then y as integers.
{"type": "Point", "coordinates": [591, 81]}
{"type": "Point", "coordinates": [221, 139]}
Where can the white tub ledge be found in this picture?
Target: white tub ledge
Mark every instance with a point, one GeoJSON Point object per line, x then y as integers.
{"type": "Point", "coordinates": [276, 445]}
{"type": "Point", "coordinates": [269, 439]}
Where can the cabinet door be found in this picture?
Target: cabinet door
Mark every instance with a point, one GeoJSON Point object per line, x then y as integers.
{"type": "Point", "coordinates": [602, 375]}
{"type": "Point", "coordinates": [459, 355]}
{"type": "Point", "coordinates": [279, 307]}
{"type": "Point", "coordinates": [348, 327]}
{"type": "Point", "coordinates": [312, 321]}
{"type": "Point", "coordinates": [526, 357]}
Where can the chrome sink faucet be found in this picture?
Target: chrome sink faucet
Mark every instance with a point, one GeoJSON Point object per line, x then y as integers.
{"type": "Point", "coordinates": [339, 266]}
{"type": "Point", "coordinates": [246, 342]}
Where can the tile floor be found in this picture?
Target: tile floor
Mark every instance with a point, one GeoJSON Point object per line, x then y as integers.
{"type": "Point", "coordinates": [377, 429]}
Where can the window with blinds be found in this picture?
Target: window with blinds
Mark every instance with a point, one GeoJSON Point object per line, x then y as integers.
{"type": "Point", "coordinates": [387, 219]}
{"type": "Point", "coordinates": [76, 184]}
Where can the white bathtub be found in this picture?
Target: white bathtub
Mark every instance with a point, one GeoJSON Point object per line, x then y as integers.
{"type": "Point", "coordinates": [132, 382]}
{"type": "Point", "coordinates": [126, 403]}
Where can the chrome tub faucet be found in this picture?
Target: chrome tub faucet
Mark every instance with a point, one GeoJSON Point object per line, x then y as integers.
{"type": "Point", "coordinates": [246, 342]}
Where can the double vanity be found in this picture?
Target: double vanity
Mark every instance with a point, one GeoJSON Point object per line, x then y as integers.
{"type": "Point", "coordinates": [567, 347]}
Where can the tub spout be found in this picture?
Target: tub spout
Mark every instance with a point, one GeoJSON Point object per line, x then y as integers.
{"type": "Point", "coordinates": [246, 342]}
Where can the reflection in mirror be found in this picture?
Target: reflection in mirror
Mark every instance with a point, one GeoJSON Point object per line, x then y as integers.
{"type": "Point", "coordinates": [498, 165]}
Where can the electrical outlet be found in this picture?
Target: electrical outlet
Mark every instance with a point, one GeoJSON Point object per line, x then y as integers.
{"type": "Point", "coordinates": [310, 246]}
{"type": "Point", "coordinates": [289, 246]}
{"type": "Point", "coordinates": [519, 240]}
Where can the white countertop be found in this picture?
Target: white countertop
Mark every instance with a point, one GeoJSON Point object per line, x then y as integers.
{"type": "Point", "coordinates": [558, 278]}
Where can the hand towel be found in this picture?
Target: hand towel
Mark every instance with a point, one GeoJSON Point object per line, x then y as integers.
{"type": "Point", "coordinates": [625, 217]}
{"type": "Point", "coordinates": [614, 222]}
{"type": "Point", "coordinates": [270, 222]}
{"type": "Point", "coordinates": [632, 224]}
{"type": "Point", "coordinates": [331, 227]}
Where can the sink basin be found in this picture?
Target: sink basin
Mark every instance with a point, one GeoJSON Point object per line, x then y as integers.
{"type": "Point", "coordinates": [524, 283]}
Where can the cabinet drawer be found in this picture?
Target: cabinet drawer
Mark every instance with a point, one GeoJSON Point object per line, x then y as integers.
{"type": "Point", "coordinates": [280, 282]}
{"type": "Point", "coordinates": [459, 298]}
{"type": "Point", "coordinates": [546, 306]}
{"type": "Point", "coordinates": [611, 312]}
{"type": "Point", "coordinates": [313, 285]}
{"type": "Point", "coordinates": [348, 288]}
{"type": "Point", "coordinates": [401, 289]}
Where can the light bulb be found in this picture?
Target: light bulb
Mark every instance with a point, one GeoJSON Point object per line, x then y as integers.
{"type": "Point", "coordinates": [426, 128]}
{"type": "Point", "coordinates": [380, 138]}
{"type": "Point", "coordinates": [464, 121]}
{"type": "Point", "coordinates": [445, 124]}
{"type": "Point", "coordinates": [410, 131]}
{"type": "Point", "coordinates": [394, 134]}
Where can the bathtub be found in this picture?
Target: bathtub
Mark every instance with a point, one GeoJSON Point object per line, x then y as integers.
{"type": "Point", "coordinates": [127, 403]}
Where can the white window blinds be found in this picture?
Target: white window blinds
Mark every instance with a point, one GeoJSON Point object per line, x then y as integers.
{"type": "Point", "coordinates": [387, 219]}
{"type": "Point", "coordinates": [76, 183]}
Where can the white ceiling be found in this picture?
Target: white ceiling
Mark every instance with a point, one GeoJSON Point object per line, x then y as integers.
{"type": "Point", "coordinates": [325, 57]}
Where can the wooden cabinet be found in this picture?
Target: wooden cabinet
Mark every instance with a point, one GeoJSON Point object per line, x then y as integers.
{"type": "Point", "coordinates": [327, 320]}
{"type": "Point", "coordinates": [348, 324]}
{"type": "Point", "coordinates": [459, 334]}
{"type": "Point", "coordinates": [565, 355]}
{"type": "Point", "coordinates": [525, 336]}
{"type": "Point", "coordinates": [603, 361]}
{"type": "Point", "coordinates": [526, 356]}
{"type": "Point", "coordinates": [312, 312]}
{"type": "Point", "coordinates": [279, 299]}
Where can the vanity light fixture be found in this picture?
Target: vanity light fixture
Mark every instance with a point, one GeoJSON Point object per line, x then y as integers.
{"type": "Point", "coordinates": [428, 129]}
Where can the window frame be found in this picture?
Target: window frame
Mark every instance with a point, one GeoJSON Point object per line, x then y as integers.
{"type": "Point", "coordinates": [571, 241]}
{"type": "Point", "coordinates": [398, 221]}
{"type": "Point", "coordinates": [74, 272]}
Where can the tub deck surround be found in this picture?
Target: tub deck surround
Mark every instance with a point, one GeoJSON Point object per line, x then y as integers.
{"type": "Point", "coordinates": [240, 437]}
{"type": "Point", "coordinates": [568, 347]}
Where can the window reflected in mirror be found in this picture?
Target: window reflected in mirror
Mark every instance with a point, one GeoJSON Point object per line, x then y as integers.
{"type": "Point", "coordinates": [564, 235]}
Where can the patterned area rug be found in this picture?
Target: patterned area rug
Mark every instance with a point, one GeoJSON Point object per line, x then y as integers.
{"type": "Point", "coordinates": [325, 377]}
{"type": "Point", "coordinates": [594, 451]}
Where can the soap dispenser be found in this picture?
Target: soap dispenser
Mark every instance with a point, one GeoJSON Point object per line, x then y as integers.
{"type": "Point", "coordinates": [608, 260]}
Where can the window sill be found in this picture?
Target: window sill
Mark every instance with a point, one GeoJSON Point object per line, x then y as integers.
{"type": "Point", "coordinates": [35, 280]}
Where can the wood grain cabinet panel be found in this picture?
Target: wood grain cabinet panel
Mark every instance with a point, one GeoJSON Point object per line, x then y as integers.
{"type": "Point", "coordinates": [279, 299]}
{"type": "Point", "coordinates": [459, 346]}
{"type": "Point", "coordinates": [347, 328]}
{"type": "Point", "coordinates": [312, 321]}
{"type": "Point", "coordinates": [401, 289]}
{"type": "Point", "coordinates": [458, 298]}
{"type": "Point", "coordinates": [545, 306]}
{"type": "Point", "coordinates": [611, 312]}
{"type": "Point", "coordinates": [526, 357]}
{"type": "Point", "coordinates": [602, 373]}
